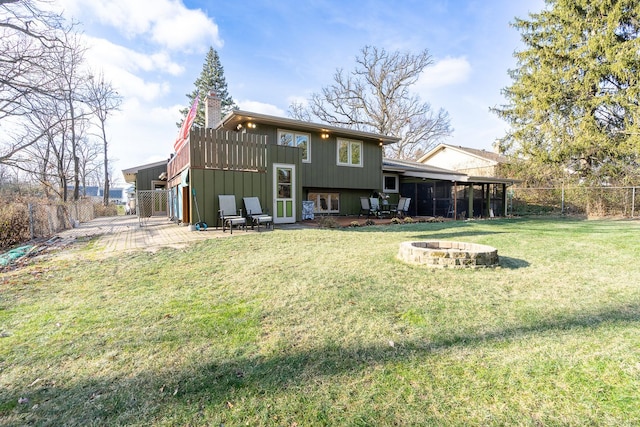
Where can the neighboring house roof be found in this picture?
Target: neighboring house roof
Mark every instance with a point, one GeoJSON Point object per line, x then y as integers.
{"type": "Point", "coordinates": [490, 156]}
{"type": "Point", "coordinates": [95, 191]}
{"type": "Point", "coordinates": [236, 119]}
{"type": "Point", "coordinates": [130, 174]}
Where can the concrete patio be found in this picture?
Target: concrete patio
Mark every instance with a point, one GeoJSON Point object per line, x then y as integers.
{"type": "Point", "coordinates": [128, 233]}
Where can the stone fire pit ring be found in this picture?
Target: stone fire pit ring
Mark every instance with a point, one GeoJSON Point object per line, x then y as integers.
{"type": "Point", "coordinates": [446, 254]}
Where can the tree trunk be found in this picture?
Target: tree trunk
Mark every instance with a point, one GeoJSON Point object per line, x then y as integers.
{"type": "Point", "coordinates": [106, 169]}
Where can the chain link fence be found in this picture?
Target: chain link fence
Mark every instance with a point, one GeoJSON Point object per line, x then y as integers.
{"type": "Point", "coordinates": [151, 203]}
{"type": "Point", "coordinates": [589, 201]}
{"type": "Point", "coordinates": [22, 221]}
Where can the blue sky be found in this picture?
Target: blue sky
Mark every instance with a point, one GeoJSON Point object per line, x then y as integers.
{"type": "Point", "coordinates": [274, 52]}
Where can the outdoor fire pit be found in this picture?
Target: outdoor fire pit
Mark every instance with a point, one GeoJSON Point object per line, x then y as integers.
{"type": "Point", "coordinates": [446, 254]}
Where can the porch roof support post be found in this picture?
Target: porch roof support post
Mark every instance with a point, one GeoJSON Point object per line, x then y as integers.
{"type": "Point", "coordinates": [470, 208]}
{"type": "Point", "coordinates": [504, 199]}
{"type": "Point", "coordinates": [455, 200]}
{"type": "Point", "coordinates": [433, 198]}
{"type": "Point", "coordinates": [488, 198]}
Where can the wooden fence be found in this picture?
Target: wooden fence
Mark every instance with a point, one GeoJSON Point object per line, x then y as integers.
{"type": "Point", "coordinates": [221, 150]}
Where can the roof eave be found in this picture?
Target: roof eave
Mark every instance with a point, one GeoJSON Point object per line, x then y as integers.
{"type": "Point", "coordinates": [236, 117]}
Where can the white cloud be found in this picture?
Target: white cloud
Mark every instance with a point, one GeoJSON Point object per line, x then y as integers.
{"type": "Point", "coordinates": [122, 66]}
{"type": "Point", "coordinates": [140, 133]}
{"type": "Point", "coordinates": [261, 107]}
{"type": "Point", "coordinates": [446, 72]}
{"type": "Point", "coordinates": [166, 22]}
{"type": "Point", "coordinates": [182, 29]}
{"type": "Point", "coordinates": [104, 52]}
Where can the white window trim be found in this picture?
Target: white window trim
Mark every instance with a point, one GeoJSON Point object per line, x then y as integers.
{"type": "Point", "coordinates": [294, 133]}
{"type": "Point", "coordinates": [330, 196]}
{"type": "Point", "coordinates": [397, 184]}
{"type": "Point", "coordinates": [350, 142]}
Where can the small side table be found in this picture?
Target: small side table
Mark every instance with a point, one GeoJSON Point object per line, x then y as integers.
{"type": "Point", "coordinates": [307, 209]}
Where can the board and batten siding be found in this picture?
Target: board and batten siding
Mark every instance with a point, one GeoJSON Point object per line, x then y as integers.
{"type": "Point", "coordinates": [209, 183]}
{"type": "Point", "coordinates": [323, 170]}
{"type": "Point", "coordinates": [145, 177]}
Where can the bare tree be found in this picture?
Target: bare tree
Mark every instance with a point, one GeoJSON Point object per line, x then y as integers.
{"type": "Point", "coordinates": [89, 151]}
{"type": "Point", "coordinates": [72, 88]}
{"type": "Point", "coordinates": [49, 160]}
{"type": "Point", "coordinates": [28, 41]}
{"type": "Point", "coordinates": [58, 126]}
{"type": "Point", "coordinates": [377, 97]}
{"type": "Point", "coordinates": [103, 100]}
{"type": "Point", "coordinates": [47, 98]}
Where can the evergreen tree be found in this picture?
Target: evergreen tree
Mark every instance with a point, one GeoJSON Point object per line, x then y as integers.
{"type": "Point", "coordinates": [211, 79]}
{"type": "Point", "coordinates": [575, 97]}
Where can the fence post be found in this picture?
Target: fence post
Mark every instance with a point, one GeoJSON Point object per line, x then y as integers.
{"type": "Point", "coordinates": [633, 201]}
{"type": "Point", "coordinates": [31, 220]}
{"type": "Point", "coordinates": [562, 202]}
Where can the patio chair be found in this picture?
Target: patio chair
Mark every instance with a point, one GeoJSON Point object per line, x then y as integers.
{"type": "Point", "coordinates": [403, 206]}
{"type": "Point", "coordinates": [254, 213]}
{"type": "Point", "coordinates": [375, 206]}
{"type": "Point", "coordinates": [228, 214]}
{"type": "Point", "coordinates": [365, 207]}
{"type": "Point", "coordinates": [405, 209]}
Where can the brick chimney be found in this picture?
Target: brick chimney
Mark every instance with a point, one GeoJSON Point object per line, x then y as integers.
{"type": "Point", "coordinates": [212, 111]}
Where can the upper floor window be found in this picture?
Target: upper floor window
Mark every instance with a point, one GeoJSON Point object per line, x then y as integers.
{"type": "Point", "coordinates": [349, 152]}
{"type": "Point", "coordinates": [296, 139]}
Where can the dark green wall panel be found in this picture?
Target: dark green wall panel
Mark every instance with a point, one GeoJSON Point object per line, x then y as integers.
{"type": "Point", "coordinates": [323, 171]}
{"type": "Point", "coordinates": [211, 183]}
{"type": "Point", "coordinates": [144, 177]}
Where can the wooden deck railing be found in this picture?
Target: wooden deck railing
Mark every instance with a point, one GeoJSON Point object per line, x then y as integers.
{"type": "Point", "coordinates": [224, 150]}
{"type": "Point", "coordinates": [178, 162]}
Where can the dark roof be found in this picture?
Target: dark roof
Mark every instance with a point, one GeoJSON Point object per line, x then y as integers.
{"type": "Point", "coordinates": [411, 168]}
{"type": "Point", "coordinates": [240, 117]}
{"type": "Point", "coordinates": [422, 170]}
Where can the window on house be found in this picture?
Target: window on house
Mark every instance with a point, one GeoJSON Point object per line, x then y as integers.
{"type": "Point", "coordinates": [349, 152]}
{"type": "Point", "coordinates": [296, 139]}
{"type": "Point", "coordinates": [325, 202]}
{"type": "Point", "coordinates": [390, 183]}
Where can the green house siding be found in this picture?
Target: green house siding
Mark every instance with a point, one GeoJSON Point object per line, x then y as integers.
{"type": "Point", "coordinates": [145, 177]}
{"type": "Point", "coordinates": [209, 183]}
{"type": "Point", "coordinates": [322, 173]}
{"type": "Point", "coordinates": [239, 163]}
{"type": "Point", "coordinates": [323, 170]}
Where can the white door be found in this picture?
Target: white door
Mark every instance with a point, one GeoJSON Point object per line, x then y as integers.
{"type": "Point", "coordinates": [284, 199]}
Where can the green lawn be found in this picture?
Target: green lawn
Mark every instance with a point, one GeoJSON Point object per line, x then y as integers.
{"type": "Point", "coordinates": [327, 327]}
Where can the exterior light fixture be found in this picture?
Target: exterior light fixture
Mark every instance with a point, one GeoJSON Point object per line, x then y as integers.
{"type": "Point", "coordinates": [239, 126]}
{"type": "Point", "coordinates": [324, 135]}
{"type": "Point", "coordinates": [251, 125]}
